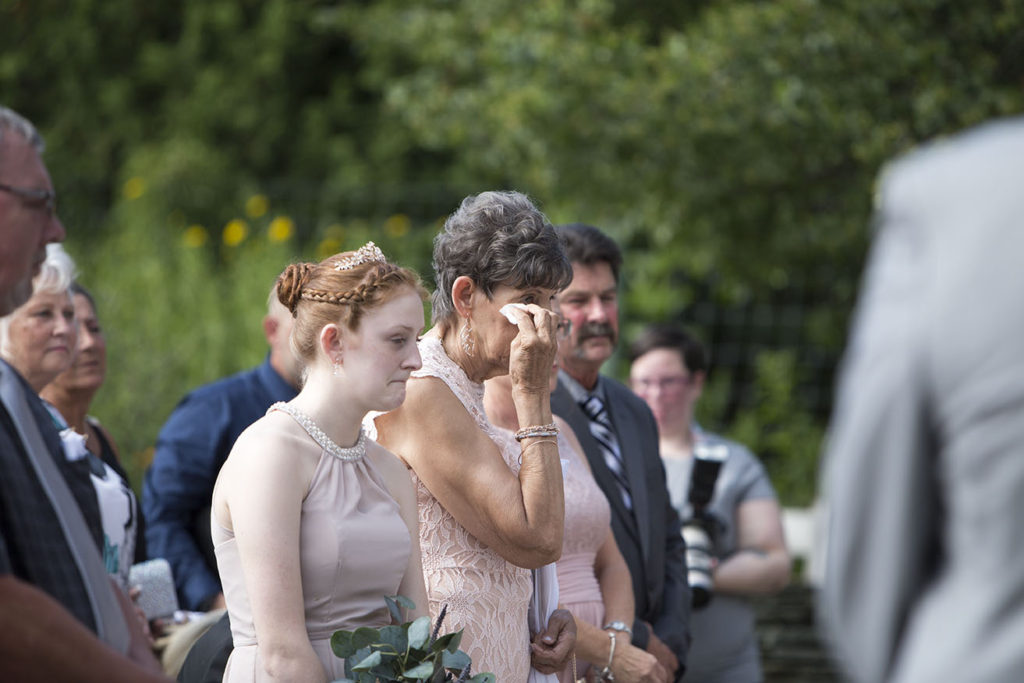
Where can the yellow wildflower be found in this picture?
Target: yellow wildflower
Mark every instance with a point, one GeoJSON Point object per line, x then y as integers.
{"type": "Point", "coordinates": [234, 232]}
{"type": "Point", "coordinates": [328, 247]}
{"type": "Point", "coordinates": [256, 206]}
{"type": "Point", "coordinates": [133, 188]}
{"type": "Point", "coordinates": [397, 225]}
{"type": "Point", "coordinates": [334, 231]}
{"type": "Point", "coordinates": [195, 236]}
{"type": "Point", "coordinates": [281, 229]}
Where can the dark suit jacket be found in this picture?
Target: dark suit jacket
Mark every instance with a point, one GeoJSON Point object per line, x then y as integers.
{"type": "Point", "coordinates": [32, 542]}
{"type": "Point", "coordinates": [653, 548]}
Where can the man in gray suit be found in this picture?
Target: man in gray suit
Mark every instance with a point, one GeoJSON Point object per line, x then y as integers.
{"type": "Point", "coordinates": [924, 473]}
{"type": "Point", "coordinates": [620, 437]}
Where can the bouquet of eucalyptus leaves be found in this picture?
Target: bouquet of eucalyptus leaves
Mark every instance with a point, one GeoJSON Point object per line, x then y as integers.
{"type": "Point", "coordinates": [410, 652]}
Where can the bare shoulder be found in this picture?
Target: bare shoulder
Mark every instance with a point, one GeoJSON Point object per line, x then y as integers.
{"type": "Point", "coordinates": [431, 414]}
{"type": "Point", "coordinates": [275, 442]}
{"type": "Point", "coordinates": [268, 470]}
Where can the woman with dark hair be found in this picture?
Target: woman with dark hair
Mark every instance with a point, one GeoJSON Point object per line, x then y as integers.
{"type": "Point", "coordinates": [312, 523]}
{"type": "Point", "coordinates": [72, 391]}
{"type": "Point", "coordinates": [749, 549]}
{"type": "Point", "coordinates": [491, 504]}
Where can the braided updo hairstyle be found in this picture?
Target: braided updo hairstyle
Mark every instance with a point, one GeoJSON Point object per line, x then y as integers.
{"type": "Point", "coordinates": [318, 294]}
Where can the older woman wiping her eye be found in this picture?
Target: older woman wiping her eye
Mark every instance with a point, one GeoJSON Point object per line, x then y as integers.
{"type": "Point", "coordinates": [491, 506]}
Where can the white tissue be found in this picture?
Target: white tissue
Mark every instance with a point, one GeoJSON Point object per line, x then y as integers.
{"type": "Point", "coordinates": [506, 311]}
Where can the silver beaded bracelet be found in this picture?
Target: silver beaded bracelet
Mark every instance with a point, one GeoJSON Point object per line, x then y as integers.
{"type": "Point", "coordinates": [606, 673]}
{"type": "Point", "coordinates": [537, 430]}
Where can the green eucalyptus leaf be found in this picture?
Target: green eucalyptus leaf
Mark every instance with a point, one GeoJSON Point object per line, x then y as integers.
{"type": "Point", "coordinates": [420, 671]}
{"type": "Point", "coordinates": [394, 637]}
{"type": "Point", "coordinates": [458, 660]}
{"type": "Point", "coordinates": [341, 644]}
{"type": "Point", "coordinates": [364, 637]}
{"type": "Point", "coordinates": [453, 646]}
{"type": "Point", "coordinates": [485, 677]}
{"type": "Point", "coordinates": [404, 602]}
{"type": "Point", "coordinates": [395, 605]}
{"type": "Point", "coordinates": [393, 608]}
{"type": "Point", "coordinates": [368, 663]}
{"type": "Point", "coordinates": [419, 631]}
{"type": "Point", "coordinates": [442, 642]}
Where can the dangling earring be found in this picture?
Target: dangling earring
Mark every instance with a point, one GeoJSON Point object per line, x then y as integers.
{"type": "Point", "coordinates": [337, 367]}
{"type": "Point", "coordinates": [466, 339]}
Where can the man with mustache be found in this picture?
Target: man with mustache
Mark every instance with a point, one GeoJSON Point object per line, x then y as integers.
{"type": "Point", "coordinates": [620, 438]}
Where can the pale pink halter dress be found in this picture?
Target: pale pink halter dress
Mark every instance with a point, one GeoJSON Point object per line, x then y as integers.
{"type": "Point", "coordinates": [353, 549]}
{"type": "Point", "coordinates": [486, 595]}
{"type": "Point", "coordinates": [587, 521]}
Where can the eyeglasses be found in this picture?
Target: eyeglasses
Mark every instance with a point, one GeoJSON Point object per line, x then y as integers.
{"type": "Point", "coordinates": [563, 328]}
{"type": "Point", "coordinates": [672, 382]}
{"type": "Point", "coordinates": [46, 198]}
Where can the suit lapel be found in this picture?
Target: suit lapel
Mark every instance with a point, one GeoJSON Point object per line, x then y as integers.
{"type": "Point", "coordinates": [563, 405]}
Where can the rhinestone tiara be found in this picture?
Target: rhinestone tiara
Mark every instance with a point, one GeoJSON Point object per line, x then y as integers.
{"type": "Point", "coordinates": [368, 253]}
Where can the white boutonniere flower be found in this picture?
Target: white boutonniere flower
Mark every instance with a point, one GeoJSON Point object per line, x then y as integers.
{"type": "Point", "coordinates": [74, 444]}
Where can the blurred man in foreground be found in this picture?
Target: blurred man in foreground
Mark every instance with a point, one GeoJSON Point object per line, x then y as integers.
{"type": "Point", "coordinates": [924, 472]}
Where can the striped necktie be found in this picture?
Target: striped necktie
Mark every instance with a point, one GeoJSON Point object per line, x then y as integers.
{"type": "Point", "coordinates": [601, 429]}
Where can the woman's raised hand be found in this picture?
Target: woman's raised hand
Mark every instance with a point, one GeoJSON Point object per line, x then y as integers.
{"type": "Point", "coordinates": [533, 349]}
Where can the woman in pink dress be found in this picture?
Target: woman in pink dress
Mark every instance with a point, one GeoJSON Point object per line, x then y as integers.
{"type": "Point", "coordinates": [593, 578]}
{"type": "Point", "coordinates": [490, 509]}
{"type": "Point", "coordinates": [313, 524]}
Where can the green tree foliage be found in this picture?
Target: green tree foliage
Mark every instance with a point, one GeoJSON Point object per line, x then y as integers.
{"type": "Point", "coordinates": [731, 147]}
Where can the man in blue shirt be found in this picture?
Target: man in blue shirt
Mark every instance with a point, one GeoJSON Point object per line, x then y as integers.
{"type": "Point", "coordinates": [190, 450]}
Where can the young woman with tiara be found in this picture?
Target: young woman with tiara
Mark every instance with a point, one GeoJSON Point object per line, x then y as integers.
{"type": "Point", "coordinates": [313, 524]}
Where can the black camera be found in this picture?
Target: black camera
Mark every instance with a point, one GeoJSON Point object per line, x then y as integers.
{"type": "Point", "coordinates": [702, 527]}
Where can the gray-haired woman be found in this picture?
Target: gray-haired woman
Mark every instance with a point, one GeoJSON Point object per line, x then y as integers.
{"type": "Point", "coordinates": [40, 340]}
{"type": "Point", "coordinates": [491, 507]}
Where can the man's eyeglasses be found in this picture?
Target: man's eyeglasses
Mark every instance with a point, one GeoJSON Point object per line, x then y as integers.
{"type": "Point", "coordinates": [46, 199]}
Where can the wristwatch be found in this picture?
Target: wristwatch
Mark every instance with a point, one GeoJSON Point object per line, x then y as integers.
{"type": "Point", "coordinates": [618, 626]}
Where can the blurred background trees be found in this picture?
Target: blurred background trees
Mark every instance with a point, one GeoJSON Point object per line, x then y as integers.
{"type": "Point", "coordinates": [731, 147]}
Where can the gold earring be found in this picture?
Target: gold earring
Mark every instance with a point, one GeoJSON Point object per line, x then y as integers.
{"type": "Point", "coordinates": [466, 339]}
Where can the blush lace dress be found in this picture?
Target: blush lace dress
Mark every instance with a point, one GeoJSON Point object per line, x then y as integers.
{"type": "Point", "coordinates": [486, 595]}
{"type": "Point", "coordinates": [587, 521]}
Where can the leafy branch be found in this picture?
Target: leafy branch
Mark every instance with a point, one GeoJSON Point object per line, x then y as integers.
{"type": "Point", "coordinates": [409, 652]}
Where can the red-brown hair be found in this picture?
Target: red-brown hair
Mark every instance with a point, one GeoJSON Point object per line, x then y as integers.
{"type": "Point", "coordinates": [318, 294]}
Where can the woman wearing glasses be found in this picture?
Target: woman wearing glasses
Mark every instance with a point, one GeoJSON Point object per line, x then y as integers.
{"type": "Point", "coordinates": [749, 550]}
